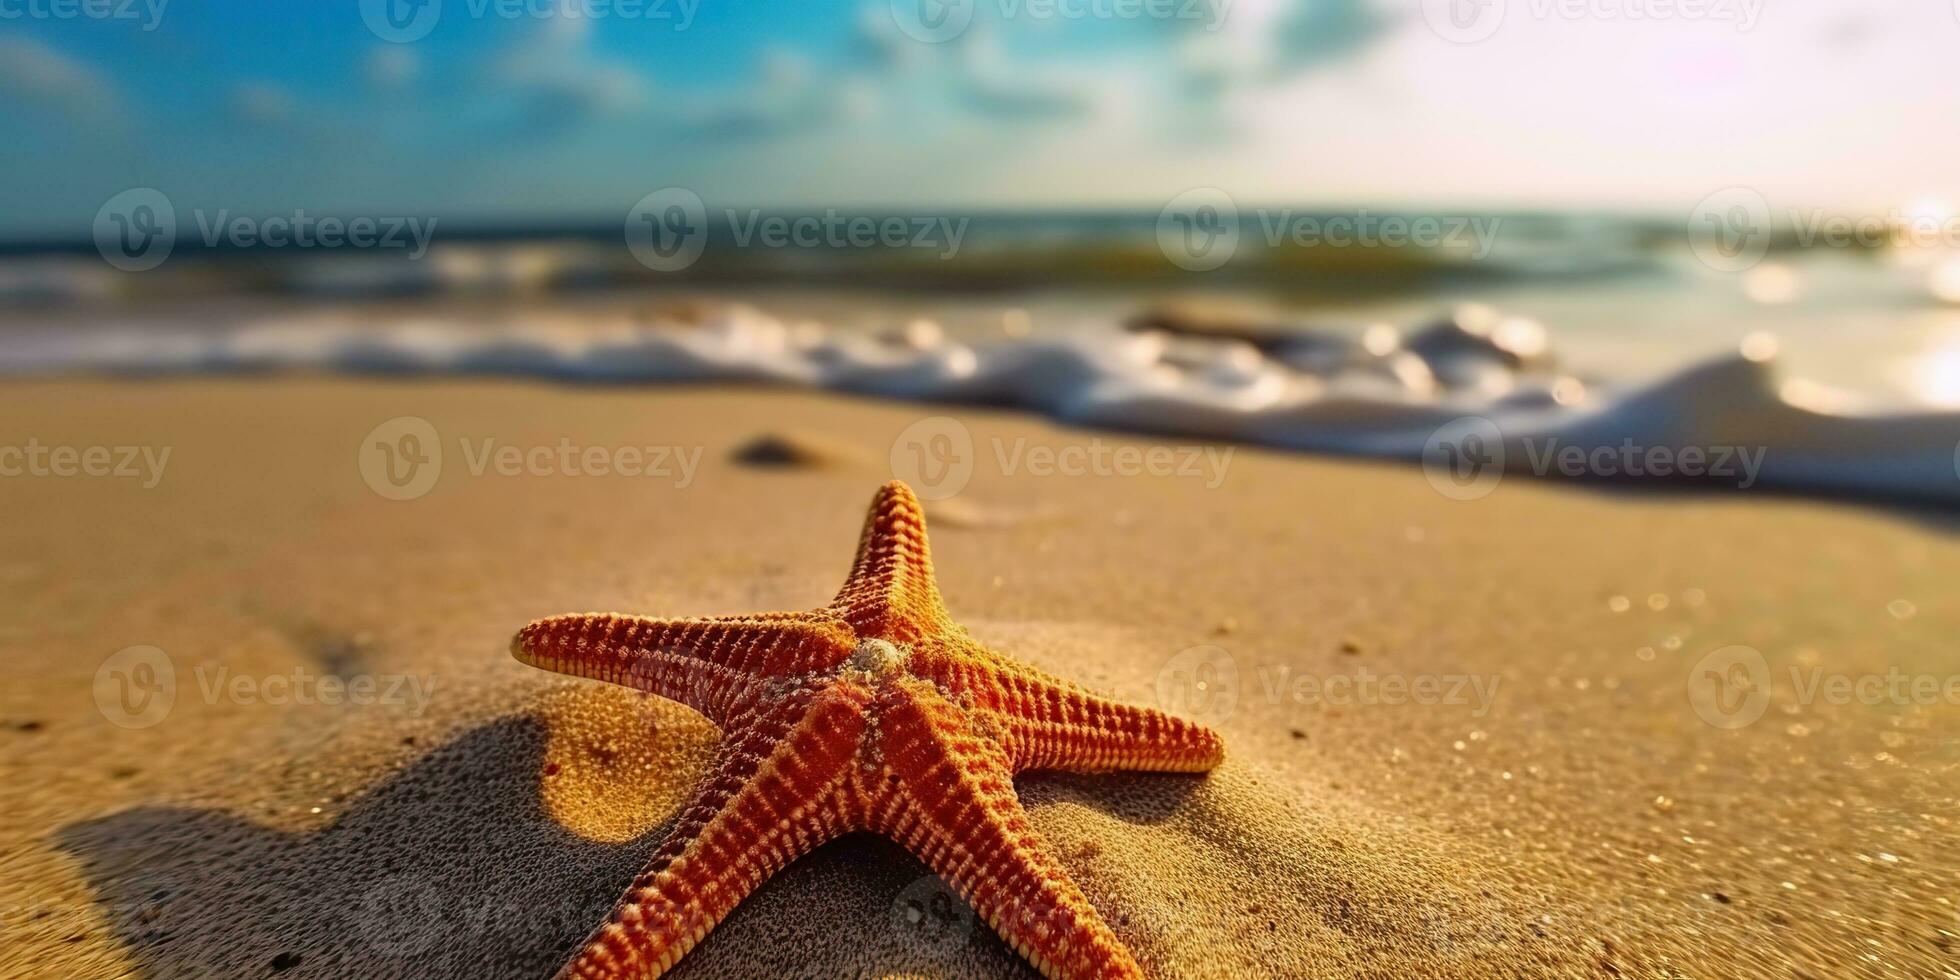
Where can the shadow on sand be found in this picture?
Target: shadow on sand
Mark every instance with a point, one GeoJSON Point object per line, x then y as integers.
{"type": "Point", "coordinates": [451, 868]}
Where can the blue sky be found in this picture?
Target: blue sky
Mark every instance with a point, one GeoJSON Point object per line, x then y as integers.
{"type": "Point", "coordinates": [263, 107]}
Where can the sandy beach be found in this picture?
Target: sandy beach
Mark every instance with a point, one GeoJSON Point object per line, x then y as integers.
{"type": "Point", "coordinates": [1462, 736]}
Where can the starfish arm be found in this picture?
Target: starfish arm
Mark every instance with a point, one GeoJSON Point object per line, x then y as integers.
{"type": "Point", "coordinates": [1049, 723]}
{"type": "Point", "coordinates": [891, 592]}
{"type": "Point", "coordinates": [711, 665]}
{"type": "Point", "coordinates": [773, 796]}
{"type": "Point", "coordinates": [954, 807]}
{"type": "Point", "coordinates": [1053, 725]}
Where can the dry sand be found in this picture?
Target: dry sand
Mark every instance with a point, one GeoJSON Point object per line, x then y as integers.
{"type": "Point", "coordinates": [1578, 819]}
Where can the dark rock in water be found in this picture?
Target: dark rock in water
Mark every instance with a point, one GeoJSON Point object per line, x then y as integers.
{"type": "Point", "coordinates": [1317, 353]}
{"type": "Point", "coordinates": [1468, 347]}
{"type": "Point", "coordinates": [1300, 347]}
{"type": "Point", "coordinates": [687, 312]}
{"type": "Point", "coordinates": [1214, 321]}
{"type": "Point", "coordinates": [919, 334]}
{"type": "Point", "coordinates": [1549, 394]}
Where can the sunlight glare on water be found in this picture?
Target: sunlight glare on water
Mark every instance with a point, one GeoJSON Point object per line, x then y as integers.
{"type": "Point", "coordinates": [1935, 376]}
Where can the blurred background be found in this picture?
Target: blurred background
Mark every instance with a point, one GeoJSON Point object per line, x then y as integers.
{"type": "Point", "coordinates": [1452, 202]}
{"type": "Point", "coordinates": [1109, 284]}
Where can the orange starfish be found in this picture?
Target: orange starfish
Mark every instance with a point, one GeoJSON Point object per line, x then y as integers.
{"type": "Point", "coordinates": [876, 713]}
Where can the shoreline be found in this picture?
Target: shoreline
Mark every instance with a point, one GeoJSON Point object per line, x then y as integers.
{"type": "Point", "coordinates": [1473, 398]}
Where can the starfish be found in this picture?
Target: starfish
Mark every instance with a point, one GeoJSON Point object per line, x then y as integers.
{"type": "Point", "coordinates": [874, 713]}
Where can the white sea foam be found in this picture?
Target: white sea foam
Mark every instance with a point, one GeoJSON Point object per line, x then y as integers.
{"type": "Point", "coordinates": [1306, 391]}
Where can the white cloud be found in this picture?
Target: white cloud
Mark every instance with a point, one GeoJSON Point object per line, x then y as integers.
{"type": "Point", "coordinates": [555, 68]}
{"type": "Point", "coordinates": [988, 82]}
{"type": "Point", "coordinates": [784, 98]}
{"type": "Point", "coordinates": [38, 75]}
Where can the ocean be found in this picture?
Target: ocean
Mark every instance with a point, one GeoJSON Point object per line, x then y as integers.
{"type": "Point", "coordinates": [1615, 340]}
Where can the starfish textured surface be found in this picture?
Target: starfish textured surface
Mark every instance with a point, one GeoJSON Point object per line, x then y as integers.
{"type": "Point", "coordinates": [874, 713]}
